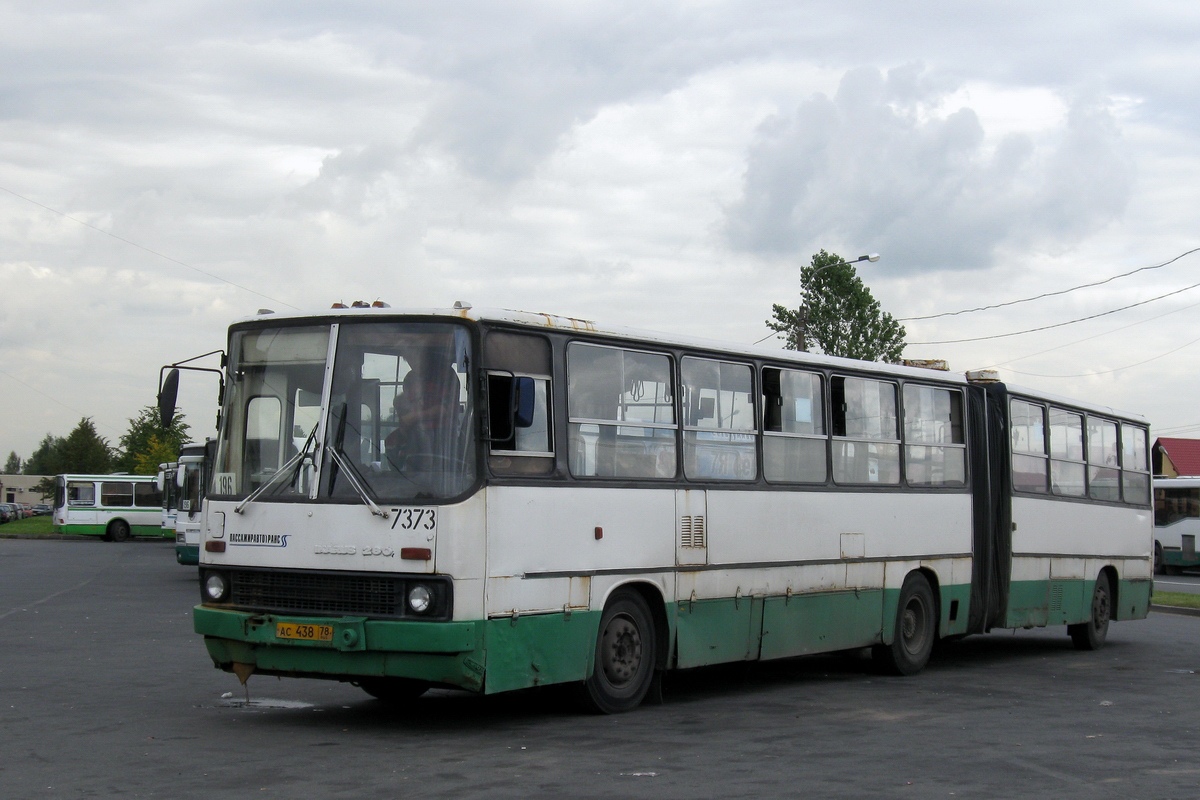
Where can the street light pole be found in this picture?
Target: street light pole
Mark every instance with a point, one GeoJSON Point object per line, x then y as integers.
{"type": "Point", "coordinates": [802, 333]}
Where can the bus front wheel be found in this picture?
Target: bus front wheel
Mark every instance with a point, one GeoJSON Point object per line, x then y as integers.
{"type": "Point", "coordinates": [118, 530]}
{"type": "Point", "coordinates": [1090, 635]}
{"type": "Point", "coordinates": [626, 652]}
{"type": "Point", "coordinates": [916, 628]}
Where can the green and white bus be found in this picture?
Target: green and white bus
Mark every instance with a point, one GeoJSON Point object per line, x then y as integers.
{"type": "Point", "coordinates": [1176, 524]}
{"type": "Point", "coordinates": [114, 507]}
{"type": "Point", "coordinates": [495, 500]}
{"type": "Point", "coordinates": [191, 477]}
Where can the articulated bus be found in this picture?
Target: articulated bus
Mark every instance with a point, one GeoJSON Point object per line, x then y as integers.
{"type": "Point", "coordinates": [495, 500]}
{"type": "Point", "coordinates": [1176, 524]}
{"type": "Point", "coordinates": [191, 477]}
{"type": "Point", "coordinates": [114, 507]}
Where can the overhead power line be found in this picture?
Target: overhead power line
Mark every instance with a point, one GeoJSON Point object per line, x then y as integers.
{"type": "Point", "coordinates": [1063, 324]}
{"type": "Point", "coordinates": [1049, 294]}
{"type": "Point", "coordinates": [147, 249]}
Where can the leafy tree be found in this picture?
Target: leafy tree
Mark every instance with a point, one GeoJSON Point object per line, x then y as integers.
{"type": "Point", "coordinates": [838, 314]}
{"type": "Point", "coordinates": [86, 451]}
{"type": "Point", "coordinates": [146, 441]}
{"type": "Point", "coordinates": [47, 459]}
{"type": "Point", "coordinates": [157, 451]}
{"type": "Point", "coordinates": [13, 465]}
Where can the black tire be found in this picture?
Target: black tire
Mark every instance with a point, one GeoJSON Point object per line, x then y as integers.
{"type": "Point", "coordinates": [626, 652]}
{"type": "Point", "coordinates": [394, 691]}
{"type": "Point", "coordinates": [1090, 635]}
{"type": "Point", "coordinates": [1159, 567]}
{"type": "Point", "coordinates": [916, 630]}
{"type": "Point", "coordinates": [118, 531]}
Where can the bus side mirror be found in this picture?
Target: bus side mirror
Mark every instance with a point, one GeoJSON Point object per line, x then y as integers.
{"type": "Point", "coordinates": [181, 476]}
{"type": "Point", "coordinates": [167, 394]}
{"type": "Point", "coordinates": [524, 402]}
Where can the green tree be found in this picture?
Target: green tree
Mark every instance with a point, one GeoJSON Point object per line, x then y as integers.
{"type": "Point", "coordinates": [838, 315]}
{"type": "Point", "coordinates": [157, 451]}
{"type": "Point", "coordinates": [146, 442]}
{"type": "Point", "coordinates": [86, 451]}
{"type": "Point", "coordinates": [13, 465]}
{"type": "Point", "coordinates": [47, 459]}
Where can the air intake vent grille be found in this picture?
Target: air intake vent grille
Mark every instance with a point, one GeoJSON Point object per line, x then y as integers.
{"type": "Point", "coordinates": [691, 531]}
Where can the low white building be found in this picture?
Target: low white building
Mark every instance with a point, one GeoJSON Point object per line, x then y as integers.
{"type": "Point", "coordinates": [19, 489]}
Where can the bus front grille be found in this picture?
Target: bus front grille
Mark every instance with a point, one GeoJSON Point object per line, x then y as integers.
{"type": "Point", "coordinates": [318, 593]}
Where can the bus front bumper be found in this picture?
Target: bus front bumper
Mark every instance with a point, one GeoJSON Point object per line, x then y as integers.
{"type": "Point", "coordinates": [344, 648]}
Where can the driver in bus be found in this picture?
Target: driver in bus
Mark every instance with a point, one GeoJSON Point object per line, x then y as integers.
{"type": "Point", "coordinates": [426, 410]}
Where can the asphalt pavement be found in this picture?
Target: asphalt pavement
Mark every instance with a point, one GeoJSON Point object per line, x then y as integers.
{"type": "Point", "coordinates": [105, 691]}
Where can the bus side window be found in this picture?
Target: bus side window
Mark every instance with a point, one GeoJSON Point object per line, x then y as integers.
{"type": "Point", "coordinates": [81, 493]}
{"type": "Point", "coordinates": [519, 404]}
{"type": "Point", "coordinates": [519, 411]}
{"type": "Point", "coordinates": [935, 445]}
{"type": "Point", "coordinates": [794, 439]}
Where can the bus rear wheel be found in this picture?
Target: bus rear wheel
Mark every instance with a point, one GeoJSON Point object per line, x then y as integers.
{"type": "Point", "coordinates": [118, 530]}
{"type": "Point", "coordinates": [916, 629]}
{"type": "Point", "coordinates": [1090, 635]}
{"type": "Point", "coordinates": [626, 652]}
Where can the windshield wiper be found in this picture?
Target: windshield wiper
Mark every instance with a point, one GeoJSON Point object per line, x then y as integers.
{"type": "Point", "coordinates": [292, 465]}
{"type": "Point", "coordinates": [352, 476]}
{"type": "Point", "coordinates": [339, 460]}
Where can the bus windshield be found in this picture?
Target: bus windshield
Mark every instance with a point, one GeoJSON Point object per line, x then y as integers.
{"type": "Point", "coordinates": [397, 424]}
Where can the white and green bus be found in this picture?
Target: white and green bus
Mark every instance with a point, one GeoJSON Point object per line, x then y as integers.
{"type": "Point", "coordinates": [114, 507]}
{"type": "Point", "coordinates": [495, 500]}
{"type": "Point", "coordinates": [191, 477]}
{"type": "Point", "coordinates": [1176, 524]}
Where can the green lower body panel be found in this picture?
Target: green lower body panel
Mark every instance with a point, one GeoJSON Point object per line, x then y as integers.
{"type": "Point", "coordinates": [483, 656]}
{"type": "Point", "coordinates": [819, 623]}
{"type": "Point", "coordinates": [1133, 599]}
{"type": "Point", "coordinates": [187, 554]}
{"type": "Point", "coordinates": [102, 530]}
{"type": "Point", "coordinates": [717, 631]}
{"type": "Point", "coordinates": [1034, 604]}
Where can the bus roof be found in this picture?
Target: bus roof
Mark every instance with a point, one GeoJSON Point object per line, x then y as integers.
{"type": "Point", "coordinates": [554, 322]}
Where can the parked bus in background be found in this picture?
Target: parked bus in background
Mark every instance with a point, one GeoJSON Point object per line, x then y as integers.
{"type": "Point", "coordinates": [499, 500]}
{"type": "Point", "coordinates": [112, 506]}
{"type": "Point", "coordinates": [1176, 524]}
{"type": "Point", "coordinates": [165, 481]}
{"type": "Point", "coordinates": [191, 478]}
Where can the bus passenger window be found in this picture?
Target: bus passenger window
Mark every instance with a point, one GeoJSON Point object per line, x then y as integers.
{"type": "Point", "coordinates": [1104, 479]}
{"type": "Point", "coordinates": [718, 434]}
{"type": "Point", "coordinates": [935, 452]}
{"type": "Point", "coordinates": [1027, 426]}
{"type": "Point", "coordinates": [1135, 467]}
{"type": "Point", "coordinates": [1066, 453]}
{"type": "Point", "coordinates": [866, 446]}
{"type": "Point", "coordinates": [621, 413]}
{"type": "Point", "coordinates": [794, 433]}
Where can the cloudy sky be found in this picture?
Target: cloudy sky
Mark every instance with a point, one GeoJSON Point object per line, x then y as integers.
{"type": "Point", "coordinates": [167, 168]}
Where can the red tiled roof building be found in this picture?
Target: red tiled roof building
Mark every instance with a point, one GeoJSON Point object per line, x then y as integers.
{"type": "Point", "coordinates": [1175, 457]}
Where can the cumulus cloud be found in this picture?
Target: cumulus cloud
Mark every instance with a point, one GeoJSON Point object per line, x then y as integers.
{"type": "Point", "coordinates": [883, 166]}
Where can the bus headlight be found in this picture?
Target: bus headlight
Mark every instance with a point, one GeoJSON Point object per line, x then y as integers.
{"type": "Point", "coordinates": [420, 598]}
{"type": "Point", "coordinates": [215, 587]}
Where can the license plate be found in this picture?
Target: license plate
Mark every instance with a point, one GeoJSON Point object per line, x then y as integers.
{"type": "Point", "coordinates": [303, 633]}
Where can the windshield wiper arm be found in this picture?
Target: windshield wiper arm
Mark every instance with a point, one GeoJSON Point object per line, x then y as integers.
{"type": "Point", "coordinates": [352, 476]}
{"type": "Point", "coordinates": [294, 461]}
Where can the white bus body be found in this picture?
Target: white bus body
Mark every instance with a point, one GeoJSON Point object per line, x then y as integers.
{"type": "Point", "coordinates": [1176, 524]}
{"type": "Point", "coordinates": [599, 505]}
{"type": "Point", "coordinates": [114, 507]}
